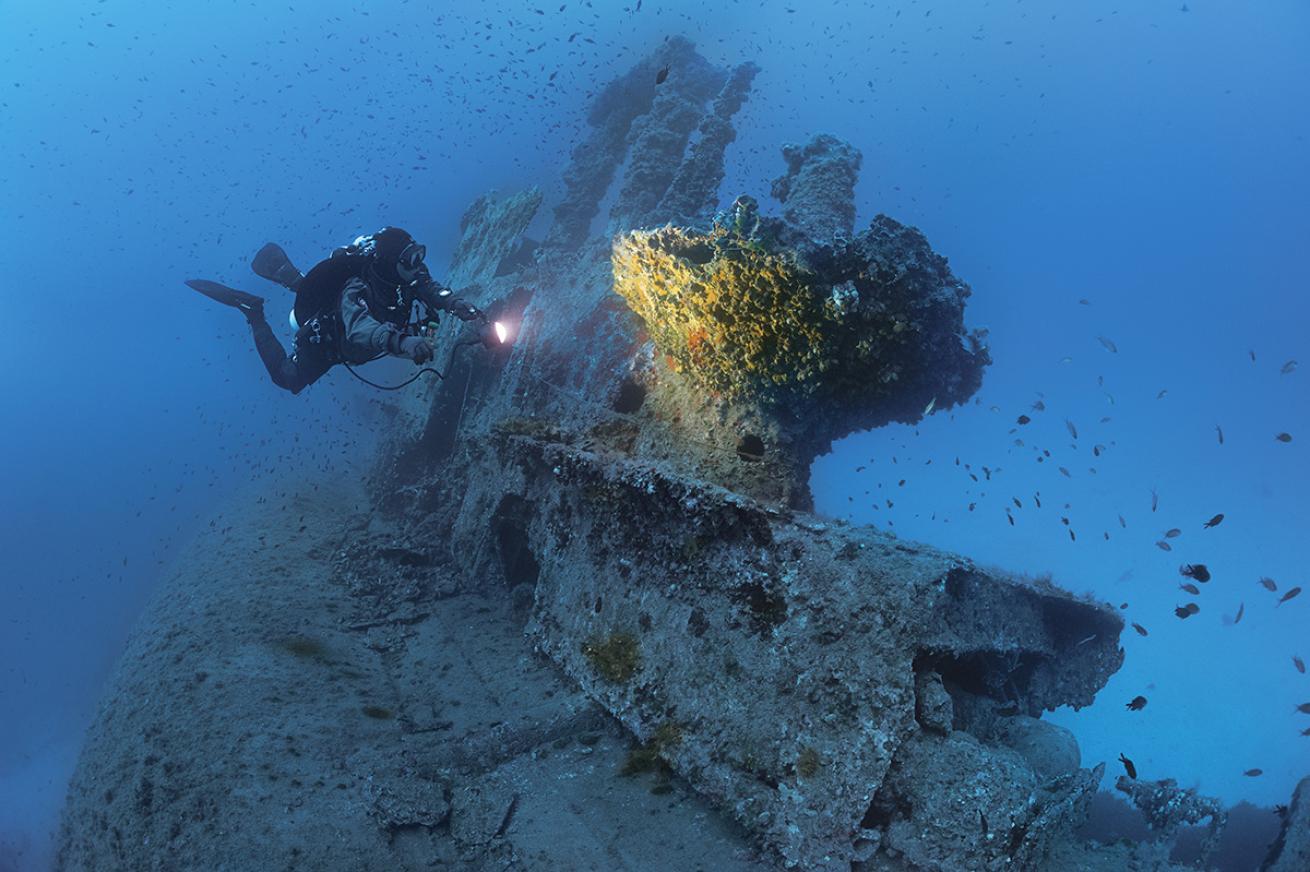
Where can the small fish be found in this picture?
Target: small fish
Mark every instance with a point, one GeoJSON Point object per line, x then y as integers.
{"type": "Point", "coordinates": [1195, 570]}
{"type": "Point", "coordinates": [1128, 767]}
{"type": "Point", "coordinates": [1215, 521]}
{"type": "Point", "coordinates": [1155, 500]}
{"type": "Point", "coordinates": [1137, 703]}
{"type": "Point", "coordinates": [1306, 731]}
{"type": "Point", "coordinates": [1109, 345]}
{"type": "Point", "coordinates": [1304, 708]}
{"type": "Point", "coordinates": [1190, 588]}
{"type": "Point", "coordinates": [1288, 367]}
{"type": "Point", "coordinates": [928, 409]}
{"type": "Point", "coordinates": [1241, 608]}
{"type": "Point", "coordinates": [1284, 437]}
{"type": "Point", "coordinates": [1160, 396]}
{"type": "Point", "coordinates": [1122, 522]}
{"type": "Point", "coordinates": [1269, 584]}
{"type": "Point", "coordinates": [1141, 631]}
{"type": "Point", "coordinates": [1289, 595]}
{"type": "Point", "coordinates": [1220, 431]}
{"type": "Point", "coordinates": [1022, 419]}
{"type": "Point", "coordinates": [1064, 472]}
{"type": "Point", "coordinates": [1073, 431]}
{"type": "Point", "coordinates": [1164, 546]}
{"type": "Point", "coordinates": [1185, 612]}
{"type": "Point", "coordinates": [661, 76]}
{"type": "Point", "coordinates": [1299, 664]}
{"type": "Point", "coordinates": [1173, 533]}
{"type": "Point", "coordinates": [1253, 773]}
{"type": "Point", "coordinates": [1039, 406]}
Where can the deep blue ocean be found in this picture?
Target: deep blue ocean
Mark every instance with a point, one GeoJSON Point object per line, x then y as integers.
{"type": "Point", "coordinates": [1124, 185]}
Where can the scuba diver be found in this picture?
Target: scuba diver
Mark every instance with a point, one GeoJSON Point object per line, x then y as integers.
{"type": "Point", "coordinates": [352, 308]}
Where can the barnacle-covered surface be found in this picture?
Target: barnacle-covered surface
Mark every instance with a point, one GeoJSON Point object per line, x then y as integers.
{"type": "Point", "coordinates": [489, 231]}
{"type": "Point", "coordinates": [795, 659]}
{"type": "Point", "coordinates": [1292, 850]}
{"type": "Point", "coordinates": [693, 193]}
{"type": "Point", "coordinates": [818, 190]}
{"type": "Point", "coordinates": [649, 124]}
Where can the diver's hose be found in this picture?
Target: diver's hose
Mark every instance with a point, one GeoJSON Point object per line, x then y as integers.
{"type": "Point", "coordinates": [409, 381]}
{"type": "Point", "coordinates": [406, 383]}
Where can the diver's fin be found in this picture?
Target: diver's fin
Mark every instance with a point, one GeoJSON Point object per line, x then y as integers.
{"type": "Point", "coordinates": [272, 263]}
{"type": "Point", "coordinates": [227, 296]}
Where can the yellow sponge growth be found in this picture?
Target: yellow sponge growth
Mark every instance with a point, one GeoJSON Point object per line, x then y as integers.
{"type": "Point", "coordinates": [733, 316]}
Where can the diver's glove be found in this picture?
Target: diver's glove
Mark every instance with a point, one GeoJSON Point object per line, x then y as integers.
{"type": "Point", "coordinates": [465, 311]}
{"type": "Point", "coordinates": [416, 348]}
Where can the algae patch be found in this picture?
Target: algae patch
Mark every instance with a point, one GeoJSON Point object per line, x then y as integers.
{"type": "Point", "coordinates": [652, 756]}
{"type": "Point", "coordinates": [304, 647]}
{"type": "Point", "coordinates": [808, 763]}
{"type": "Point", "coordinates": [615, 658]}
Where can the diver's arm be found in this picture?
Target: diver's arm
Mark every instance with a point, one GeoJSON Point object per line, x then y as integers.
{"type": "Point", "coordinates": [440, 298]}
{"type": "Point", "coordinates": [367, 338]}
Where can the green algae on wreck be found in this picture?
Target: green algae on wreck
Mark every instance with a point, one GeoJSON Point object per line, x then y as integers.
{"type": "Point", "coordinates": [615, 658]}
{"type": "Point", "coordinates": [304, 647]}
{"type": "Point", "coordinates": [808, 762]}
{"type": "Point", "coordinates": [650, 757]}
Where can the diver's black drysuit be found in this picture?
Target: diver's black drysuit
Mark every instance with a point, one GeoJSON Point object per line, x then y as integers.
{"type": "Point", "coordinates": [347, 314]}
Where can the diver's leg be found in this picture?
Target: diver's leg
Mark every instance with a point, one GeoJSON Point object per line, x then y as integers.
{"type": "Point", "coordinates": [289, 373]}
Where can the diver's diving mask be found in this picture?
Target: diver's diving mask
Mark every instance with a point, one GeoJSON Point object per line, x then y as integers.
{"type": "Point", "coordinates": [411, 257]}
